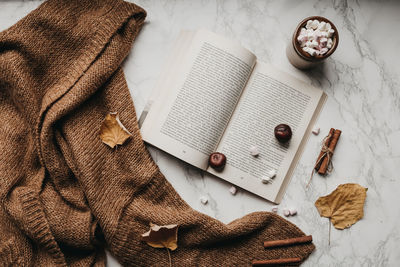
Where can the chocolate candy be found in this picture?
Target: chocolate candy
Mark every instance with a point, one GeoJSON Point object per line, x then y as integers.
{"type": "Point", "coordinates": [217, 161]}
{"type": "Point", "coordinates": [283, 133]}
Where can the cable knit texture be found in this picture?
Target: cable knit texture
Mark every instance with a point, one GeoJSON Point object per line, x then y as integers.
{"type": "Point", "coordinates": [65, 196]}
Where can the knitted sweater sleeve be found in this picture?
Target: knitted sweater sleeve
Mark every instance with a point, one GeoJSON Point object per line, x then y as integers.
{"type": "Point", "coordinates": [71, 116]}
{"type": "Point", "coordinates": [63, 69]}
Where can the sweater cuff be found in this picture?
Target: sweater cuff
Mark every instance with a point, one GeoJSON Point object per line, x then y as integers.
{"type": "Point", "coordinates": [126, 242]}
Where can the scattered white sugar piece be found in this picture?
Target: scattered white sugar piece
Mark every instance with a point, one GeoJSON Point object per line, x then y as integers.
{"type": "Point", "coordinates": [266, 179]}
{"type": "Point", "coordinates": [316, 130]}
{"type": "Point", "coordinates": [292, 211]}
{"type": "Point", "coordinates": [233, 190]}
{"type": "Point", "coordinates": [272, 173]}
{"type": "Point", "coordinates": [204, 200]}
{"type": "Point", "coordinates": [286, 212]}
{"type": "Point", "coordinates": [254, 151]}
{"type": "Point", "coordinates": [274, 209]}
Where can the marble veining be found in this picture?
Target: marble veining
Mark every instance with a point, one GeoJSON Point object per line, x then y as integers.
{"type": "Point", "coordinates": [361, 79]}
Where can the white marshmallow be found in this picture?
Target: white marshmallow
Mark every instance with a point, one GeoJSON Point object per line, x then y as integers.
{"type": "Point", "coordinates": [303, 43]}
{"type": "Point", "coordinates": [233, 190]}
{"type": "Point", "coordinates": [331, 32]}
{"type": "Point", "coordinates": [323, 41]}
{"type": "Point", "coordinates": [266, 179]}
{"type": "Point", "coordinates": [314, 44]}
{"type": "Point", "coordinates": [317, 34]}
{"type": "Point", "coordinates": [311, 51]}
{"type": "Point", "coordinates": [300, 37]}
{"type": "Point", "coordinates": [324, 34]}
{"type": "Point", "coordinates": [272, 173]}
{"type": "Point", "coordinates": [324, 50]}
{"type": "Point", "coordinates": [328, 26]}
{"type": "Point", "coordinates": [316, 130]}
{"type": "Point", "coordinates": [314, 24]}
{"type": "Point", "coordinates": [204, 200]}
{"type": "Point", "coordinates": [286, 212]}
{"type": "Point", "coordinates": [254, 151]}
{"type": "Point", "coordinates": [308, 25]}
{"type": "Point", "coordinates": [292, 211]}
{"type": "Point", "coordinates": [322, 25]}
{"type": "Point", "coordinates": [309, 31]}
{"type": "Point", "coordinates": [329, 43]}
{"type": "Point", "coordinates": [274, 209]}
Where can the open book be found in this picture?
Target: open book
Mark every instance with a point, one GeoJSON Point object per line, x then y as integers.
{"type": "Point", "coordinates": [214, 96]}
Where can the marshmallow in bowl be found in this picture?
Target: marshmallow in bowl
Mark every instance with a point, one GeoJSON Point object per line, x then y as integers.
{"type": "Point", "coordinates": [316, 37]}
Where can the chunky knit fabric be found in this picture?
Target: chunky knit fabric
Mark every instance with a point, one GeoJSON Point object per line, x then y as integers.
{"type": "Point", "coordinates": [65, 196]}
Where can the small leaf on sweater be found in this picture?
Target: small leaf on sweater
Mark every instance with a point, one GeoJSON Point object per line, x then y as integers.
{"type": "Point", "coordinates": [112, 132]}
{"type": "Point", "coordinates": [165, 236]}
{"type": "Point", "coordinates": [344, 206]}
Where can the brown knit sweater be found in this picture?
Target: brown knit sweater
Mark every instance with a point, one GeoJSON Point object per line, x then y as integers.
{"type": "Point", "coordinates": [65, 196]}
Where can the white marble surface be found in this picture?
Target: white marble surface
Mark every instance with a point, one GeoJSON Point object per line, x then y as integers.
{"type": "Point", "coordinates": [362, 81]}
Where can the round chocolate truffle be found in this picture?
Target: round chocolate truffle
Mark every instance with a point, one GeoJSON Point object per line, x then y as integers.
{"type": "Point", "coordinates": [283, 133]}
{"type": "Point", "coordinates": [217, 161]}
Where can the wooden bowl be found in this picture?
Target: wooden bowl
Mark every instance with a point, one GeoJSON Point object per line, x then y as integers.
{"type": "Point", "coordinates": [305, 55]}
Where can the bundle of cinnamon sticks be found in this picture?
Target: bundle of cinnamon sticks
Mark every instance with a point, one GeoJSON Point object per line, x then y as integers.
{"type": "Point", "coordinates": [324, 161]}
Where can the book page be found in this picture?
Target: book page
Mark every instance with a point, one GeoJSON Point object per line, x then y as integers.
{"type": "Point", "coordinates": [197, 99]}
{"type": "Point", "coordinates": [270, 98]}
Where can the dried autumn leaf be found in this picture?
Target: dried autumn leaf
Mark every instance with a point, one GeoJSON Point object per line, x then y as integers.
{"type": "Point", "coordinates": [344, 206]}
{"type": "Point", "coordinates": [112, 132]}
{"type": "Point", "coordinates": [165, 236]}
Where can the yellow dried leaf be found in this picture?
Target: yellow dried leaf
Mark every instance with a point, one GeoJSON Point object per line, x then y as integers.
{"type": "Point", "coordinates": [112, 132]}
{"type": "Point", "coordinates": [165, 236]}
{"type": "Point", "coordinates": [344, 206]}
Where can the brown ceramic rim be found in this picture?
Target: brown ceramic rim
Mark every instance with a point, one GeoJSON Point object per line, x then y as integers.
{"type": "Point", "coordinates": [307, 56]}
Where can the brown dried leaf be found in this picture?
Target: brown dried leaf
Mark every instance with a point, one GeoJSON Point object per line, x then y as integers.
{"type": "Point", "coordinates": [112, 132]}
{"type": "Point", "coordinates": [344, 206]}
{"type": "Point", "coordinates": [165, 236]}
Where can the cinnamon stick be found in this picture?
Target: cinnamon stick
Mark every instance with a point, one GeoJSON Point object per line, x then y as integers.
{"type": "Point", "coordinates": [275, 262]}
{"type": "Point", "coordinates": [332, 145]}
{"type": "Point", "coordinates": [321, 154]}
{"type": "Point", "coordinates": [288, 242]}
